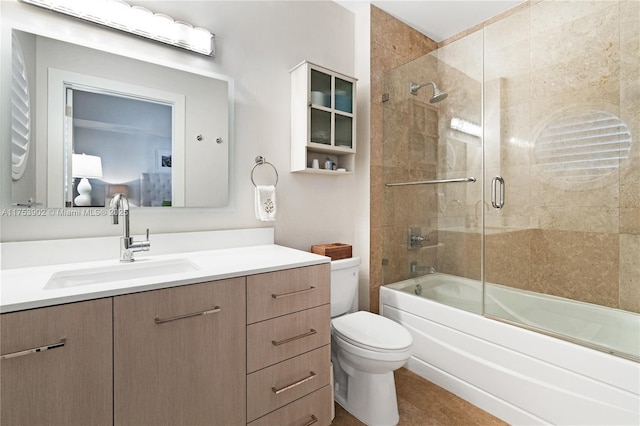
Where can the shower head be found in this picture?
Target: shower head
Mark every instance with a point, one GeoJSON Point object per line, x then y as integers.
{"type": "Point", "coordinates": [437, 94]}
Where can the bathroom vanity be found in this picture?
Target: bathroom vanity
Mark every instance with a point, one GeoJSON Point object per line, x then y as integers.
{"type": "Point", "coordinates": [242, 337]}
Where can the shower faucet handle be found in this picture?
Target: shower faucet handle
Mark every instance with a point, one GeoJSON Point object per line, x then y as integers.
{"type": "Point", "coordinates": [415, 239]}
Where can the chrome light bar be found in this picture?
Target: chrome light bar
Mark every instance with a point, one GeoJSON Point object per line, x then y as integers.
{"type": "Point", "coordinates": [137, 20]}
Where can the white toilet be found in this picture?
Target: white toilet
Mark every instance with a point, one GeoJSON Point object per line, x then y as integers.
{"type": "Point", "coordinates": [365, 350]}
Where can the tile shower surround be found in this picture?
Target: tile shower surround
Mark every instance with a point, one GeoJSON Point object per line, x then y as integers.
{"type": "Point", "coordinates": [583, 243]}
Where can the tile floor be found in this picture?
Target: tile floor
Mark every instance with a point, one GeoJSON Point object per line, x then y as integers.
{"type": "Point", "coordinates": [422, 403]}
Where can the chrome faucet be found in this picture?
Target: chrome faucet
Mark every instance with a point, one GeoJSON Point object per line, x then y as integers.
{"type": "Point", "coordinates": [119, 203]}
{"type": "Point", "coordinates": [415, 268]}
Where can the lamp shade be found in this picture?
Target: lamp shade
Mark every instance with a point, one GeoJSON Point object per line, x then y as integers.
{"type": "Point", "coordinates": [86, 166]}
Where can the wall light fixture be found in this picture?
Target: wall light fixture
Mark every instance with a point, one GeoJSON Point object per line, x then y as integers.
{"type": "Point", "coordinates": [136, 20]}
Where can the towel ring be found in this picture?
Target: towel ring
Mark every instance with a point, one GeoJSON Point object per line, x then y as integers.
{"type": "Point", "coordinates": [260, 160]}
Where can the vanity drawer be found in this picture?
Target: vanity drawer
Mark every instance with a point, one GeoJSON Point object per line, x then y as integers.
{"type": "Point", "coordinates": [279, 293]}
{"type": "Point", "coordinates": [313, 409]}
{"type": "Point", "coordinates": [273, 387]}
{"type": "Point", "coordinates": [281, 338]}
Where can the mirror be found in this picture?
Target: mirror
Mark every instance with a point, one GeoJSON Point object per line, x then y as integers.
{"type": "Point", "coordinates": [160, 135]}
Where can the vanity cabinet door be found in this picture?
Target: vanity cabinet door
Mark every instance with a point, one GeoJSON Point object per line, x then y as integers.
{"type": "Point", "coordinates": [180, 355]}
{"type": "Point", "coordinates": [56, 365]}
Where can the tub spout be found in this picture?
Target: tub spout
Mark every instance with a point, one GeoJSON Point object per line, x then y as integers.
{"type": "Point", "coordinates": [416, 269]}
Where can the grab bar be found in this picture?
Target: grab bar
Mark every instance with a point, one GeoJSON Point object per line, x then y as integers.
{"type": "Point", "coordinates": [432, 182]}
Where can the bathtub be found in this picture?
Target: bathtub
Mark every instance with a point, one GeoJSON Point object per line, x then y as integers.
{"type": "Point", "coordinates": [519, 375]}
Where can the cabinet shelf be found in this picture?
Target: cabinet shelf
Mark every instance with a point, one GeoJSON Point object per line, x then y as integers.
{"type": "Point", "coordinates": [323, 119]}
{"type": "Point", "coordinates": [324, 172]}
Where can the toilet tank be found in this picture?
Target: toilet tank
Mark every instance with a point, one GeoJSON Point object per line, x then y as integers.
{"type": "Point", "coordinates": [344, 286]}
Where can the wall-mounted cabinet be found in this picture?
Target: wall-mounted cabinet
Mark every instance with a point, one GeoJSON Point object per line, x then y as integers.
{"type": "Point", "coordinates": [323, 120]}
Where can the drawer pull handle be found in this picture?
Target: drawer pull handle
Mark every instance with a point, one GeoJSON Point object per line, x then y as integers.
{"type": "Point", "coordinates": [313, 420]}
{"type": "Point", "coordinates": [60, 344]}
{"type": "Point", "coordinates": [311, 332]}
{"type": "Point", "coordinates": [311, 376]}
{"type": "Point", "coordinates": [293, 293]}
{"type": "Point", "coordinates": [195, 314]}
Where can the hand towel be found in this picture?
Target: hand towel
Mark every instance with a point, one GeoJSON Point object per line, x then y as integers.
{"type": "Point", "coordinates": [266, 202]}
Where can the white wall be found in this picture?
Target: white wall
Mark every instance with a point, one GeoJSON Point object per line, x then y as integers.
{"type": "Point", "coordinates": [362, 12]}
{"type": "Point", "coordinates": [257, 43]}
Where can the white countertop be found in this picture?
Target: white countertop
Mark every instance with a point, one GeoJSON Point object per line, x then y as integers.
{"type": "Point", "coordinates": [23, 288]}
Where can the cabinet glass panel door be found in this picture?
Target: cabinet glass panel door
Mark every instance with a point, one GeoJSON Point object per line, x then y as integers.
{"type": "Point", "coordinates": [344, 131]}
{"type": "Point", "coordinates": [320, 89]}
{"type": "Point", "coordinates": [320, 126]}
{"type": "Point", "coordinates": [343, 96]}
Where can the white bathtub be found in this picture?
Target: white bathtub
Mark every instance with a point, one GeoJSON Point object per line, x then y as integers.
{"type": "Point", "coordinates": [520, 376]}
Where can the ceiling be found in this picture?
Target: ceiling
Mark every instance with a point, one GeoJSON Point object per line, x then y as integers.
{"type": "Point", "coordinates": [441, 19]}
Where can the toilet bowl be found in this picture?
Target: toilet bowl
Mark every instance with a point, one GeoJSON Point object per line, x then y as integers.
{"type": "Point", "coordinates": [365, 350]}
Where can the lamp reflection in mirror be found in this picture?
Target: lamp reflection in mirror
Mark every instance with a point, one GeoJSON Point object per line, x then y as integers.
{"type": "Point", "coordinates": [137, 20]}
{"type": "Point", "coordinates": [85, 167]}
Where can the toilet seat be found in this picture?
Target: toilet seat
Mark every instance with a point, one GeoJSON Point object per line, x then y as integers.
{"type": "Point", "coordinates": [372, 332]}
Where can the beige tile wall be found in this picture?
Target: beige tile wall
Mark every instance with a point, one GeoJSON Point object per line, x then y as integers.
{"type": "Point", "coordinates": [580, 241]}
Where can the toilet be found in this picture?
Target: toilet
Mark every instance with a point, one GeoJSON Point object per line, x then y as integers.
{"type": "Point", "coordinates": [365, 350]}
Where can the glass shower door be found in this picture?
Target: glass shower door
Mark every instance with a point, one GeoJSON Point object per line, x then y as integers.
{"type": "Point", "coordinates": [559, 168]}
{"type": "Point", "coordinates": [432, 227]}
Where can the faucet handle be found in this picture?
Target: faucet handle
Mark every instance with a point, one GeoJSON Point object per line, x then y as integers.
{"type": "Point", "coordinates": [146, 245]}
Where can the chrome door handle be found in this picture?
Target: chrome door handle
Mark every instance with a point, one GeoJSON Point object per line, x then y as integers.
{"type": "Point", "coordinates": [311, 376]}
{"type": "Point", "coordinates": [313, 420]}
{"type": "Point", "coordinates": [195, 314]}
{"type": "Point", "coordinates": [311, 332]}
{"type": "Point", "coordinates": [293, 293]}
{"type": "Point", "coordinates": [497, 182]}
{"type": "Point", "coordinates": [60, 344]}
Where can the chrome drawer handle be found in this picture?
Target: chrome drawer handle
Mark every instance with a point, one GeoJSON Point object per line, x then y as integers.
{"type": "Point", "coordinates": [311, 332]}
{"type": "Point", "coordinates": [293, 293]}
{"type": "Point", "coordinates": [195, 314]}
{"type": "Point", "coordinates": [313, 420]}
{"type": "Point", "coordinates": [311, 376]}
{"type": "Point", "coordinates": [60, 344]}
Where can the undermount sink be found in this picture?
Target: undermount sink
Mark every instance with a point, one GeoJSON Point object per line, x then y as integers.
{"type": "Point", "coordinates": [126, 271]}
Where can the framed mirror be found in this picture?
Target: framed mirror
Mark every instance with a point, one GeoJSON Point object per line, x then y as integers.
{"type": "Point", "coordinates": [161, 135]}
